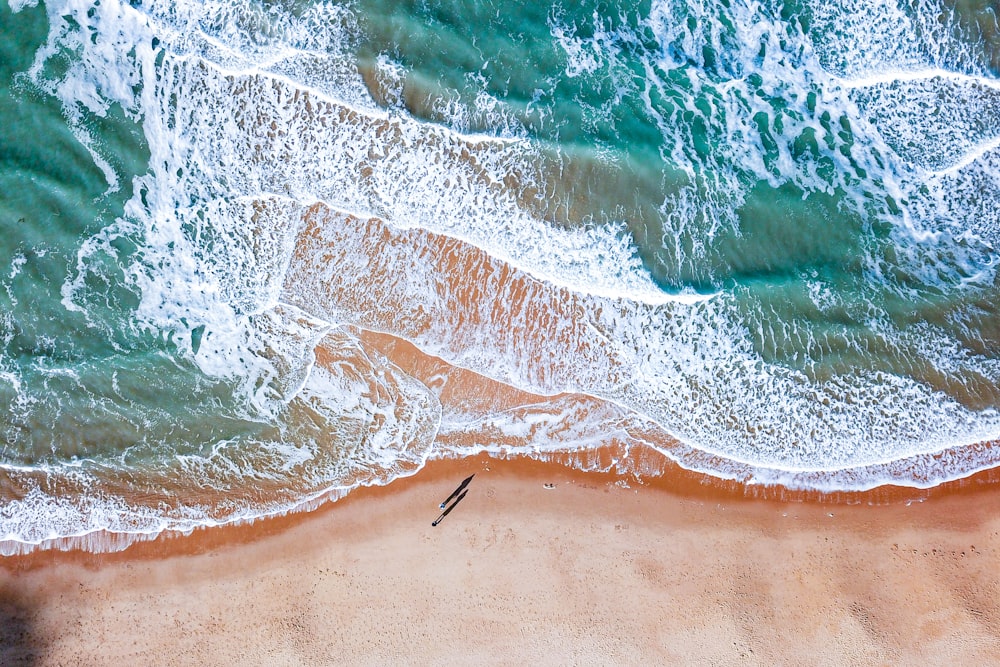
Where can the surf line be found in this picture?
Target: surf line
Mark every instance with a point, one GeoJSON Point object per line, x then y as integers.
{"type": "Point", "coordinates": [460, 492]}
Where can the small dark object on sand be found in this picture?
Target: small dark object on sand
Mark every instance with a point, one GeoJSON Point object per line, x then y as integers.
{"type": "Point", "coordinates": [450, 508]}
{"type": "Point", "coordinates": [465, 483]}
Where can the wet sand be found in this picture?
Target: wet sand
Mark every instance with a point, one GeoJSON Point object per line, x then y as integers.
{"type": "Point", "coordinates": [591, 571]}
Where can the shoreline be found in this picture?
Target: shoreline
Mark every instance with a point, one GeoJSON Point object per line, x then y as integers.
{"type": "Point", "coordinates": [671, 479]}
{"type": "Point", "coordinates": [591, 571]}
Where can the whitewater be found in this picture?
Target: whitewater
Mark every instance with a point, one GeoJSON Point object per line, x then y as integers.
{"type": "Point", "coordinates": [754, 239]}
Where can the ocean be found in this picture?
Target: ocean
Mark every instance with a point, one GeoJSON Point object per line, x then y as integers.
{"type": "Point", "coordinates": [257, 254]}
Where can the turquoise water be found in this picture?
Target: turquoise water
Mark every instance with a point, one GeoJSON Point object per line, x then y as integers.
{"type": "Point", "coordinates": [759, 239]}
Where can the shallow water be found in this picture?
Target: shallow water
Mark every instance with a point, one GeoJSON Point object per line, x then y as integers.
{"type": "Point", "coordinates": [757, 239]}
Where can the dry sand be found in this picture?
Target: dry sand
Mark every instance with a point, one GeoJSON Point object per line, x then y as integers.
{"type": "Point", "coordinates": [589, 572]}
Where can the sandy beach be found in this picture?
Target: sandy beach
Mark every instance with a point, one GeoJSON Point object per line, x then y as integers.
{"type": "Point", "coordinates": [257, 253]}
{"type": "Point", "coordinates": [592, 571]}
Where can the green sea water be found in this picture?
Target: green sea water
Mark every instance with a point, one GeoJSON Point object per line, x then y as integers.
{"type": "Point", "coordinates": [764, 231]}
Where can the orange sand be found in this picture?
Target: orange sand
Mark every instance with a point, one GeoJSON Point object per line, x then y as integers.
{"type": "Point", "coordinates": [589, 572]}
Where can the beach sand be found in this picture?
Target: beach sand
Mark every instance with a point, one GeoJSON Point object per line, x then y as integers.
{"type": "Point", "coordinates": [592, 571]}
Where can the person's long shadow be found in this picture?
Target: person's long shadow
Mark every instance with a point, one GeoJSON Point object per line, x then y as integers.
{"type": "Point", "coordinates": [19, 644]}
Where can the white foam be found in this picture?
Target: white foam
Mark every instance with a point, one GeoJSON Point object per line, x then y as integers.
{"type": "Point", "coordinates": [246, 134]}
{"type": "Point", "coordinates": [360, 421]}
{"type": "Point", "coordinates": [886, 90]}
{"type": "Point", "coordinates": [935, 123]}
{"type": "Point", "coordinates": [689, 368]}
{"type": "Point", "coordinates": [584, 56]}
{"type": "Point", "coordinates": [974, 155]}
{"type": "Point", "coordinates": [883, 78]}
{"type": "Point", "coordinates": [860, 38]}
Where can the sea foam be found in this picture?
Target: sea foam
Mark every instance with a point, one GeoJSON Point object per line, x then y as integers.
{"type": "Point", "coordinates": [284, 211]}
